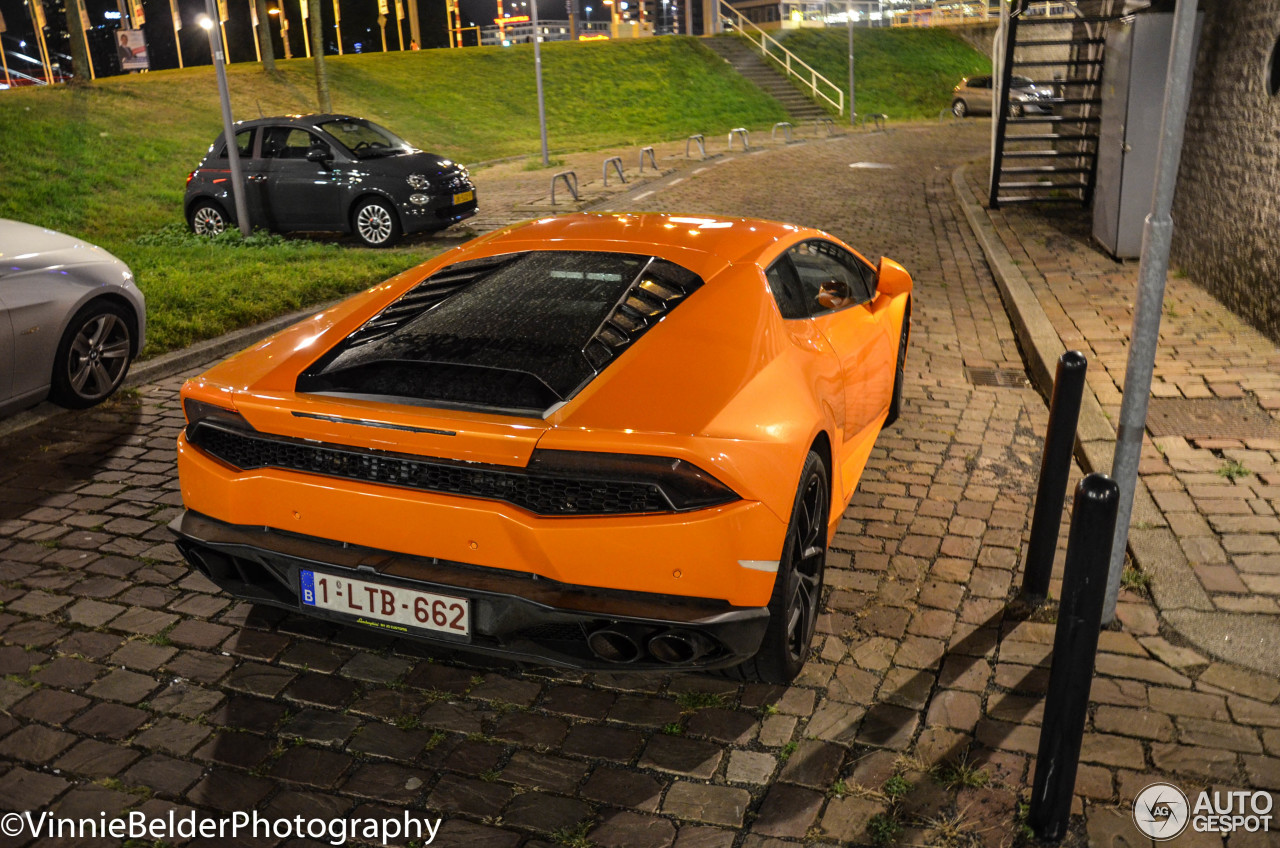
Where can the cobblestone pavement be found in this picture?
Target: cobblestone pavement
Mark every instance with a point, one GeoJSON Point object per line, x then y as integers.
{"type": "Point", "coordinates": [1218, 485]}
{"type": "Point", "coordinates": [130, 683]}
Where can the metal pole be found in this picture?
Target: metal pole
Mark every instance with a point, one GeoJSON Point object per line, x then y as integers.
{"type": "Point", "coordinates": [853, 114]}
{"type": "Point", "coordinates": [688, 17]}
{"type": "Point", "coordinates": [537, 67]}
{"type": "Point", "coordinates": [1075, 647]}
{"type": "Point", "coordinates": [306, 26]}
{"type": "Point", "coordinates": [228, 126]}
{"type": "Point", "coordinates": [337, 24]}
{"type": "Point", "coordinates": [1153, 271]}
{"type": "Point", "coordinates": [1055, 469]}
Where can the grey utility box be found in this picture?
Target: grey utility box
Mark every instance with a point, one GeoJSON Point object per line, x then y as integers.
{"type": "Point", "coordinates": [1133, 84]}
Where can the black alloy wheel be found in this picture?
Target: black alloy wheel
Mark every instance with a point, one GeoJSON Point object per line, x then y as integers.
{"type": "Point", "coordinates": [93, 355]}
{"type": "Point", "coordinates": [797, 593]}
{"type": "Point", "coordinates": [899, 375]}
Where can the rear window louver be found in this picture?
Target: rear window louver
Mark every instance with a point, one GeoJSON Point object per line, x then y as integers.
{"type": "Point", "coordinates": [650, 297]}
{"type": "Point", "coordinates": [429, 293]}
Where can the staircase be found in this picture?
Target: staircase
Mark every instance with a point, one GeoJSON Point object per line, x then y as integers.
{"type": "Point", "coordinates": [1051, 155]}
{"type": "Point", "coordinates": [746, 60]}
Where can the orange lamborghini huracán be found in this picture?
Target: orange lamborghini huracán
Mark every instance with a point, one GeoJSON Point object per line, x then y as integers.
{"type": "Point", "coordinates": [601, 441]}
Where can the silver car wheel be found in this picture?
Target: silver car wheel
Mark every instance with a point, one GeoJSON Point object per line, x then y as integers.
{"type": "Point", "coordinates": [959, 108]}
{"type": "Point", "coordinates": [208, 221]}
{"type": "Point", "coordinates": [98, 357]}
{"type": "Point", "coordinates": [374, 223]}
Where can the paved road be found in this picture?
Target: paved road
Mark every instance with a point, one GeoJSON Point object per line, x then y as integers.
{"type": "Point", "coordinates": [129, 683]}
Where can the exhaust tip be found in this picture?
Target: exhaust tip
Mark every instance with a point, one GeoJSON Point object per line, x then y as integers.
{"type": "Point", "coordinates": [613, 646]}
{"type": "Point", "coordinates": [676, 647]}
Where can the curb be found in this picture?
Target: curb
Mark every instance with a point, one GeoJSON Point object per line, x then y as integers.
{"type": "Point", "coordinates": [1249, 640]}
{"type": "Point", "coordinates": [167, 365]}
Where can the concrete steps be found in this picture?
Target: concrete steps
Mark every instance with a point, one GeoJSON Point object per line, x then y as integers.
{"type": "Point", "coordinates": [751, 65]}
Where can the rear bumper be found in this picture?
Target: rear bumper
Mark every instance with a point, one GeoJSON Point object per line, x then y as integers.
{"type": "Point", "coordinates": [513, 614]}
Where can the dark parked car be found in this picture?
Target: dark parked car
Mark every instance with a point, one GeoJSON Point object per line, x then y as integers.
{"type": "Point", "coordinates": [331, 173]}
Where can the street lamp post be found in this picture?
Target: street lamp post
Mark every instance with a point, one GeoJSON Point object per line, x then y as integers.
{"type": "Point", "coordinates": [852, 113]}
{"type": "Point", "coordinates": [537, 65]}
{"type": "Point", "coordinates": [284, 28]}
{"type": "Point", "coordinates": [228, 126]}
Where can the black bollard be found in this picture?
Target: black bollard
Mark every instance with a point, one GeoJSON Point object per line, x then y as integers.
{"type": "Point", "coordinates": [1075, 646]}
{"type": "Point", "coordinates": [1055, 469]}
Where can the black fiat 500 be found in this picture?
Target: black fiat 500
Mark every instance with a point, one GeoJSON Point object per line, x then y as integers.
{"type": "Point", "coordinates": [329, 173]}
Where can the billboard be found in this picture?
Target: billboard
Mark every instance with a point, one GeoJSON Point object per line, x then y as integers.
{"type": "Point", "coordinates": [131, 47]}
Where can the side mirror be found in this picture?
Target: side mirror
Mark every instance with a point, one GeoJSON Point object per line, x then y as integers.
{"type": "Point", "coordinates": [891, 278]}
{"type": "Point", "coordinates": [319, 155]}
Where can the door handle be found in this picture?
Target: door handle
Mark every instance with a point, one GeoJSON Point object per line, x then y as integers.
{"type": "Point", "coordinates": [257, 178]}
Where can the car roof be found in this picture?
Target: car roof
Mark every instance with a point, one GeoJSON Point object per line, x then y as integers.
{"type": "Point", "coordinates": [728, 239]}
{"type": "Point", "coordinates": [296, 120]}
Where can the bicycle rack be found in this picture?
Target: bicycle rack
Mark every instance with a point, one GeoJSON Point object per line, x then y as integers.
{"type": "Point", "coordinates": [742, 133]}
{"type": "Point", "coordinates": [947, 113]}
{"type": "Point", "coordinates": [879, 118]}
{"type": "Point", "coordinates": [786, 132]}
{"type": "Point", "coordinates": [701, 142]}
{"type": "Point", "coordinates": [616, 162]}
{"type": "Point", "coordinates": [570, 182]}
{"type": "Point", "coordinates": [829, 124]}
{"type": "Point", "coordinates": [653, 160]}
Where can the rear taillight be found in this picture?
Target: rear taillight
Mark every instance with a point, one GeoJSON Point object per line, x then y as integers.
{"type": "Point", "coordinates": [685, 485]}
{"type": "Point", "coordinates": [191, 176]}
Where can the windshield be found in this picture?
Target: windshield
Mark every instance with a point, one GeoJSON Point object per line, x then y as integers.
{"type": "Point", "coordinates": [366, 139]}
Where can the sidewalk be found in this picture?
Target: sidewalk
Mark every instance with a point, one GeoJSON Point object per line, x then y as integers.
{"type": "Point", "coordinates": [1208, 536]}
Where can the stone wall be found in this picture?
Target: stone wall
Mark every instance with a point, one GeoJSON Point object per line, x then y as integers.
{"type": "Point", "coordinates": [1227, 206]}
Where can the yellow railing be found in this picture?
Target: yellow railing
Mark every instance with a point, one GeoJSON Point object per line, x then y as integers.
{"type": "Point", "coordinates": [951, 13]}
{"type": "Point", "coordinates": [791, 63]}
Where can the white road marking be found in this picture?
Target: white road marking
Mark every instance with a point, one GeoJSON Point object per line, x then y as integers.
{"type": "Point", "coordinates": [700, 170]}
{"type": "Point", "coordinates": [642, 195]}
{"type": "Point", "coordinates": [676, 181]}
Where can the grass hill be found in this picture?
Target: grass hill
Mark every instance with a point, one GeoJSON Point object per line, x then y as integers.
{"type": "Point", "coordinates": [905, 73]}
{"type": "Point", "coordinates": [107, 162]}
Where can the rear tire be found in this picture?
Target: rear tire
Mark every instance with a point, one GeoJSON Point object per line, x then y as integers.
{"type": "Point", "coordinates": [797, 592]}
{"type": "Point", "coordinates": [208, 218]}
{"type": "Point", "coordinates": [895, 402]}
{"type": "Point", "coordinates": [93, 356]}
{"type": "Point", "coordinates": [959, 108]}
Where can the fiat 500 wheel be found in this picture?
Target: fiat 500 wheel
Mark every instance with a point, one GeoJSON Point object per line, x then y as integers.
{"type": "Point", "coordinates": [375, 223]}
{"type": "Point", "coordinates": [208, 219]}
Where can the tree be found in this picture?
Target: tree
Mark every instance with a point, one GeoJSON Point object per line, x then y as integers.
{"type": "Point", "coordinates": [264, 37]}
{"type": "Point", "coordinates": [79, 46]}
{"type": "Point", "coordinates": [317, 55]}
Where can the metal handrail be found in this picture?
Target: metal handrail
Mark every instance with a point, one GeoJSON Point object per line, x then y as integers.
{"type": "Point", "coordinates": [653, 159]}
{"type": "Point", "coordinates": [616, 162]}
{"type": "Point", "coordinates": [698, 139]}
{"type": "Point", "coordinates": [786, 132]}
{"type": "Point", "coordinates": [788, 60]}
{"type": "Point", "coordinates": [740, 132]}
{"type": "Point", "coordinates": [570, 182]}
{"type": "Point", "coordinates": [950, 13]}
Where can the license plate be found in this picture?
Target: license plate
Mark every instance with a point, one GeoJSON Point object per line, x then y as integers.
{"type": "Point", "coordinates": [386, 607]}
{"type": "Point", "coordinates": [464, 197]}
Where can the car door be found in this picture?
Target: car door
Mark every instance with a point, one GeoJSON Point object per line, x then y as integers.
{"type": "Point", "coordinates": [838, 290]}
{"type": "Point", "coordinates": [982, 94]}
{"type": "Point", "coordinates": [252, 171]}
{"type": "Point", "coordinates": [300, 194]}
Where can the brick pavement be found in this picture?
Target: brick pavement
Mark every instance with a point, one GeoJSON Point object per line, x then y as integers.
{"type": "Point", "coordinates": [1218, 491]}
{"type": "Point", "coordinates": [129, 683]}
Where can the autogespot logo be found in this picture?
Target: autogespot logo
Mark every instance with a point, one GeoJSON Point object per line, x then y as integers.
{"type": "Point", "coordinates": [1161, 811]}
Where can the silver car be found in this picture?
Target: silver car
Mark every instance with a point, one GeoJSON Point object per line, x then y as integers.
{"type": "Point", "coordinates": [975, 96]}
{"type": "Point", "coordinates": [71, 319]}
